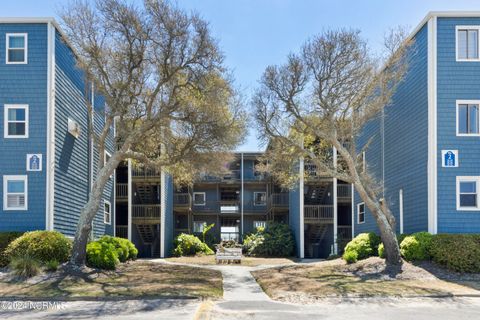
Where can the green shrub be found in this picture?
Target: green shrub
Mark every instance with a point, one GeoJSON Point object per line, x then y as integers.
{"type": "Point", "coordinates": [416, 247]}
{"type": "Point", "coordinates": [41, 245]}
{"type": "Point", "coordinates": [102, 255]}
{"type": "Point", "coordinates": [350, 256]}
{"type": "Point", "coordinates": [51, 265]}
{"type": "Point", "coordinates": [125, 248]}
{"type": "Point", "coordinates": [457, 252]}
{"type": "Point", "coordinates": [25, 265]}
{"type": "Point", "coordinates": [189, 245]}
{"type": "Point", "coordinates": [381, 251]}
{"type": "Point", "coordinates": [364, 245]}
{"type": "Point", "coordinates": [5, 239]}
{"type": "Point", "coordinates": [276, 240]}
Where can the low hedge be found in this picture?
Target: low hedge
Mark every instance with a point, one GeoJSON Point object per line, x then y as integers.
{"type": "Point", "coordinates": [107, 252]}
{"type": "Point", "coordinates": [5, 239]}
{"type": "Point", "coordinates": [361, 247]}
{"type": "Point", "coordinates": [43, 246]}
{"type": "Point", "coordinates": [457, 252]}
{"type": "Point", "coordinates": [189, 245]}
{"type": "Point", "coordinates": [416, 247]}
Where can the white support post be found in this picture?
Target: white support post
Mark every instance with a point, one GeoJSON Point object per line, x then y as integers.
{"type": "Point", "coordinates": [130, 197]}
{"type": "Point", "coordinates": [241, 196]}
{"type": "Point", "coordinates": [353, 211]}
{"type": "Point", "coordinates": [335, 207]}
{"type": "Point", "coordinates": [400, 205]}
{"type": "Point", "coordinates": [302, 208]}
{"type": "Point", "coordinates": [163, 200]}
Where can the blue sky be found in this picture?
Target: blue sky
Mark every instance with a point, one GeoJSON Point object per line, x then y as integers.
{"type": "Point", "coordinates": [256, 33]}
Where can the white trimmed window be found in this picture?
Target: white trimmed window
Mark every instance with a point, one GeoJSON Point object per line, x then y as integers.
{"type": "Point", "coordinates": [259, 224]}
{"type": "Point", "coordinates": [467, 43]}
{"type": "Point", "coordinates": [16, 121]}
{"type": "Point", "coordinates": [361, 213]}
{"type": "Point", "coordinates": [468, 118]}
{"type": "Point", "coordinates": [17, 48]}
{"type": "Point", "coordinates": [198, 226]}
{"type": "Point", "coordinates": [15, 193]}
{"type": "Point", "coordinates": [467, 193]}
{"type": "Point", "coordinates": [107, 212]}
{"type": "Point", "coordinates": [259, 198]}
{"type": "Point", "coordinates": [199, 198]}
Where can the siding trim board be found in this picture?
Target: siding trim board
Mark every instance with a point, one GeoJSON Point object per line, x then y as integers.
{"type": "Point", "coordinates": [50, 156]}
{"type": "Point", "coordinates": [432, 125]}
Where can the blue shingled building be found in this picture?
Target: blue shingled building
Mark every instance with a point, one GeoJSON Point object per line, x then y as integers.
{"type": "Point", "coordinates": [426, 147]}
{"type": "Point", "coordinates": [47, 159]}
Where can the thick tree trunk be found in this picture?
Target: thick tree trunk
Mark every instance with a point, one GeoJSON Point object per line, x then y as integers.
{"type": "Point", "coordinates": [384, 219]}
{"type": "Point", "coordinates": [84, 227]}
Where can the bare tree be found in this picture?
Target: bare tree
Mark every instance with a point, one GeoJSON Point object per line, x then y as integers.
{"type": "Point", "coordinates": [319, 101]}
{"type": "Point", "coordinates": [166, 89]}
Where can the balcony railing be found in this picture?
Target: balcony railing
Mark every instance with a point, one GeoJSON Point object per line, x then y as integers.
{"type": "Point", "coordinates": [344, 191]}
{"type": "Point", "coordinates": [146, 211]}
{"type": "Point", "coordinates": [279, 199]}
{"type": "Point", "coordinates": [139, 171]}
{"type": "Point", "coordinates": [122, 190]}
{"type": "Point", "coordinates": [121, 231]}
{"type": "Point", "coordinates": [318, 212]}
{"type": "Point", "coordinates": [182, 199]}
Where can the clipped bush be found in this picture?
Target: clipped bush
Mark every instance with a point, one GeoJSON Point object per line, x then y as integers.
{"type": "Point", "coordinates": [126, 250]}
{"type": "Point", "coordinates": [350, 256]}
{"type": "Point", "coordinates": [102, 255]}
{"type": "Point", "coordinates": [416, 246]}
{"type": "Point", "coordinates": [25, 265]}
{"type": "Point", "coordinates": [51, 266]}
{"type": "Point", "coordinates": [457, 252]}
{"type": "Point", "coordinates": [41, 245]}
{"type": "Point", "coordinates": [276, 240]}
{"type": "Point", "coordinates": [364, 245]}
{"type": "Point", "coordinates": [189, 245]}
{"type": "Point", "coordinates": [5, 239]}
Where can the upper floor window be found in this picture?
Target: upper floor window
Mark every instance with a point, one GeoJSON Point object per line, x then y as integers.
{"type": "Point", "coordinates": [15, 193]}
{"type": "Point", "coordinates": [16, 121]}
{"type": "Point", "coordinates": [467, 193]}
{"type": "Point", "coordinates": [17, 48]}
{"type": "Point", "coordinates": [259, 198]}
{"type": "Point", "coordinates": [467, 43]}
{"type": "Point", "coordinates": [107, 212]}
{"type": "Point", "coordinates": [199, 198]}
{"type": "Point", "coordinates": [468, 117]}
{"type": "Point", "coordinates": [360, 213]}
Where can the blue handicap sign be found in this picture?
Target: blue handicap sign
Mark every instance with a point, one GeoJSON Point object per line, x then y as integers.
{"type": "Point", "coordinates": [449, 159]}
{"type": "Point", "coordinates": [34, 162]}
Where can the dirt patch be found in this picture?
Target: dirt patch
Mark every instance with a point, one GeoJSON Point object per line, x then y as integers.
{"type": "Point", "coordinates": [367, 278]}
{"type": "Point", "coordinates": [246, 261]}
{"type": "Point", "coordinates": [133, 279]}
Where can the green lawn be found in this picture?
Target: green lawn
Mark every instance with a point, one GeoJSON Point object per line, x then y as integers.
{"type": "Point", "coordinates": [134, 279]}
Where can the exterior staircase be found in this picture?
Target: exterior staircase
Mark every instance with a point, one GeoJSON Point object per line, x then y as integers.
{"type": "Point", "coordinates": [146, 232]}
{"type": "Point", "coordinates": [316, 234]}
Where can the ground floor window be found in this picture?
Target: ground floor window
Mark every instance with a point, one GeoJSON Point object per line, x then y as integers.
{"type": "Point", "coordinates": [107, 212]}
{"type": "Point", "coordinates": [361, 213]}
{"type": "Point", "coordinates": [15, 193]}
{"type": "Point", "coordinates": [198, 226]}
{"type": "Point", "coordinates": [467, 193]}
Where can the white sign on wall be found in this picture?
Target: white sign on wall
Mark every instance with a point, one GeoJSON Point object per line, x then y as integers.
{"type": "Point", "coordinates": [449, 158]}
{"type": "Point", "coordinates": [34, 162]}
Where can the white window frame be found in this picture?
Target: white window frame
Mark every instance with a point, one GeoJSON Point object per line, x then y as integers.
{"type": "Point", "coordinates": [255, 197]}
{"type": "Point", "coordinates": [473, 27]}
{"type": "Point", "coordinates": [204, 198]}
{"type": "Point", "coordinates": [196, 223]}
{"type": "Point", "coordinates": [459, 102]}
{"type": "Point", "coordinates": [475, 179]}
{"type": "Point", "coordinates": [109, 213]}
{"type": "Point", "coordinates": [5, 120]}
{"type": "Point", "coordinates": [7, 47]}
{"type": "Point", "coordinates": [7, 178]}
{"type": "Point", "coordinates": [358, 213]}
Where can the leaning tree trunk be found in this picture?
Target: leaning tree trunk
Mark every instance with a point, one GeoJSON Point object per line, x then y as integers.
{"type": "Point", "coordinates": [383, 218]}
{"type": "Point", "coordinates": [84, 227]}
